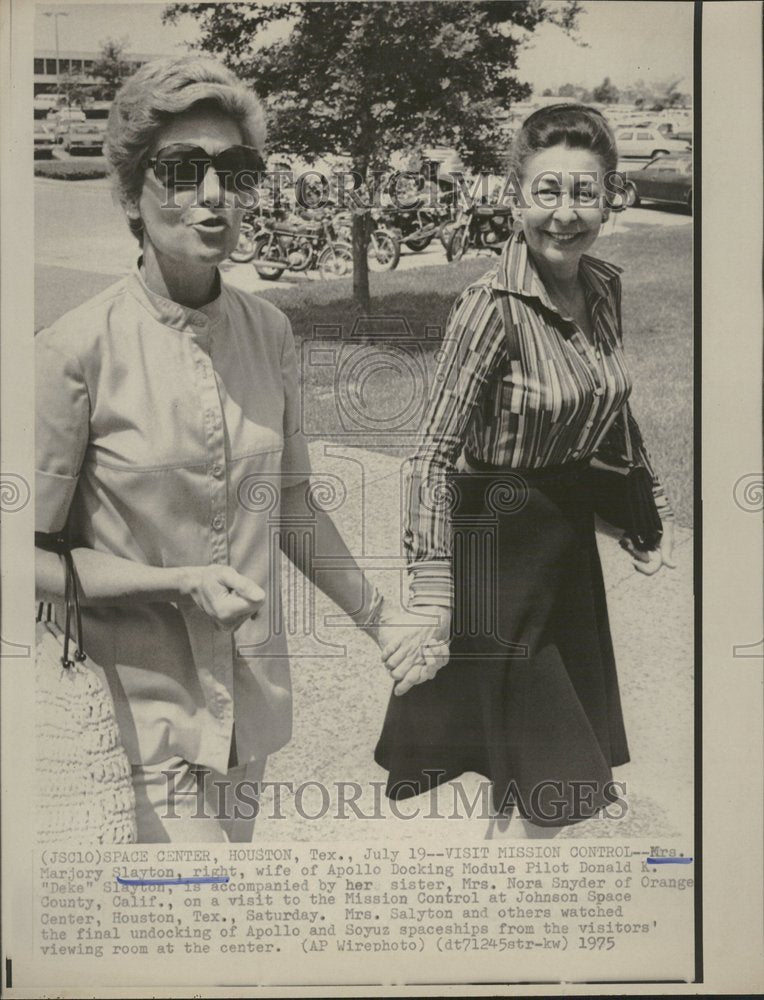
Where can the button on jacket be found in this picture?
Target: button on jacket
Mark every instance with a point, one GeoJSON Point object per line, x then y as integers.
{"type": "Point", "coordinates": [164, 435]}
{"type": "Point", "coordinates": [563, 400]}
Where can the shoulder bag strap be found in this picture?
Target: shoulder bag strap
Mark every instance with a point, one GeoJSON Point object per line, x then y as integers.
{"type": "Point", "coordinates": [60, 543]}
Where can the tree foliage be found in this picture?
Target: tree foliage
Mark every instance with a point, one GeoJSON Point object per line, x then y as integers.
{"type": "Point", "coordinates": [366, 78]}
{"type": "Point", "coordinates": [574, 90]}
{"type": "Point", "coordinates": [75, 91]}
{"type": "Point", "coordinates": [110, 67]}
{"type": "Point", "coordinates": [606, 93]}
{"type": "Point", "coordinates": [658, 94]}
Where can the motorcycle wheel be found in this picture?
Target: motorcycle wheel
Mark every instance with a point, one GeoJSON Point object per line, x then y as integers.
{"type": "Point", "coordinates": [445, 231]}
{"type": "Point", "coordinates": [245, 248]}
{"type": "Point", "coordinates": [419, 245]}
{"type": "Point", "coordinates": [335, 261]}
{"type": "Point", "coordinates": [264, 252]}
{"type": "Point", "coordinates": [458, 244]}
{"type": "Point", "coordinates": [384, 251]}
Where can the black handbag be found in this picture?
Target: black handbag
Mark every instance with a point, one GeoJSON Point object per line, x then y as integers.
{"type": "Point", "coordinates": [621, 494]}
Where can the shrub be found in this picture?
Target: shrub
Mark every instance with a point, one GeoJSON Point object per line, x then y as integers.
{"type": "Point", "coordinates": [71, 170]}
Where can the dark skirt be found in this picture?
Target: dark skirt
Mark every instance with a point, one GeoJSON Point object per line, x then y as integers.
{"type": "Point", "coordinates": [530, 695]}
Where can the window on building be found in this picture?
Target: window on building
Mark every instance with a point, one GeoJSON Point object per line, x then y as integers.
{"type": "Point", "coordinates": [63, 65]}
{"type": "Point", "coordinates": [50, 67]}
{"type": "Point", "coordinates": [88, 65]}
{"type": "Point", "coordinates": [76, 65]}
{"type": "Point", "coordinates": [39, 66]}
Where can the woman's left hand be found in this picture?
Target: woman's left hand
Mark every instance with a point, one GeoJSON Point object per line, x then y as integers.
{"type": "Point", "coordinates": [650, 562]}
{"type": "Point", "coordinates": [417, 652]}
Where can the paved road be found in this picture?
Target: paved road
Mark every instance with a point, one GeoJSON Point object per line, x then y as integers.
{"type": "Point", "coordinates": [82, 244]}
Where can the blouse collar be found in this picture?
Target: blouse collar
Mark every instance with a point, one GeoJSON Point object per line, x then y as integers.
{"type": "Point", "coordinates": [517, 274]}
{"type": "Point", "coordinates": [173, 314]}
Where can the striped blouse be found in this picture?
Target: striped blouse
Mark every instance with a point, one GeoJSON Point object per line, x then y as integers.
{"type": "Point", "coordinates": [564, 400]}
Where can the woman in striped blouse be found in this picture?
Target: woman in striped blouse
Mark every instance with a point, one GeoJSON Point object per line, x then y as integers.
{"type": "Point", "coordinates": [532, 386]}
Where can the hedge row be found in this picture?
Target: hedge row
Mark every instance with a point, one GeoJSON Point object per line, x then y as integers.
{"type": "Point", "coordinates": [71, 170]}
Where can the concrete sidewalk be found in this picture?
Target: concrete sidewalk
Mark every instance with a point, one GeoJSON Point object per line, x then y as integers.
{"type": "Point", "coordinates": [340, 696]}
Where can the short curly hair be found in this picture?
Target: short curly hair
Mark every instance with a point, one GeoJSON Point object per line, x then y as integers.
{"type": "Point", "coordinates": [576, 126]}
{"type": "Point", "coordinates": [153, 96]}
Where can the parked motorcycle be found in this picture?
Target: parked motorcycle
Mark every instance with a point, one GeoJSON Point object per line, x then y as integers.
{"type": "Point", "coordinates": [285, 246]}
{"type": "Point", "coordinates": [484, 227]}
{"type": "Point", "coordinates": [413, 228]}
{"type": "Point", "coordinates": [252, 224]}
{"type": "Point", "coordinates": [384, 250]}
{"type": "Point", "coordinates": [448, 214]}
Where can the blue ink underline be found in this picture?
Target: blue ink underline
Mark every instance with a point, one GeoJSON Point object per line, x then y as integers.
{"type": "Point", "coordinates": [222, 879]}
{"type": "Point", "coordinates": [203, 879]}
{"type": "Point", "coordinates": [668, 861]}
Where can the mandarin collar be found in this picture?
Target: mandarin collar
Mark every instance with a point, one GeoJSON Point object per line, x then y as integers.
{"type": "Point", "coordinates": [173, 314]}
{"type": "Point", "coordinates": [517, 274]}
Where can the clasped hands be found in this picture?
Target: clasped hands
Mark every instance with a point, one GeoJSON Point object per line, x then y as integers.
{"type": "Point", "coordinates": [414, 645]}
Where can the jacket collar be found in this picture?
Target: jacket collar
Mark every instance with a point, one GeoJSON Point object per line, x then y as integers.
{"type": "Point", "coordinates": [517, 274]}
{"type": "Point", "coordinates": [173, 314]}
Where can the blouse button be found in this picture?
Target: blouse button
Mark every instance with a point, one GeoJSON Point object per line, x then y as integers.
{"type": "Point", "coordinates": [598, 391]}
{"type": "Point", "coordinates": [217, 471]}
{"type": "Point", "coordinates": [218, 521]}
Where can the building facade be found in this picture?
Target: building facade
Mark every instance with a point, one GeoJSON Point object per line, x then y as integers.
{"type": "Point", "coordinates": [74, 63]}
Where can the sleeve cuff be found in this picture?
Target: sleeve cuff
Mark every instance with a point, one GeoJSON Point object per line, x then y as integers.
{"type": "Point", "coordinates": [53, 497]}
{"type": "Point", "coordinates": [431, 583]}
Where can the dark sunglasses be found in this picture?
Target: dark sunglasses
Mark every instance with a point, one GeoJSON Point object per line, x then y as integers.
{"type": "Point", "coordinates": [181, 165]}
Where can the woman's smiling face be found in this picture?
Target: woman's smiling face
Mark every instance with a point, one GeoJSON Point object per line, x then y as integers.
{"type": "Point", "coordinates": [563, 192]}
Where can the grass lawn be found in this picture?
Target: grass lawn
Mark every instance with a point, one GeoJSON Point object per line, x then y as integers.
{"type": "Point", "coordinates": [391, 368]}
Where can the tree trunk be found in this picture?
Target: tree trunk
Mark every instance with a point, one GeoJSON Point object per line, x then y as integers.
{"type": "Point", "coordinates": [361, 297]}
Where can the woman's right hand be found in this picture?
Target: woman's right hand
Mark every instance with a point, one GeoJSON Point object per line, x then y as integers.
{"type": "Point", "coordinates": [418, 651]}
{"type": "Point", "coordinates": [223, 594]}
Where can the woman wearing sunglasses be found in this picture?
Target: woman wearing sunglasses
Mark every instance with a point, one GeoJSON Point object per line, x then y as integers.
{"type": "Point", "coordinates": [169, 447]}
{"type": "Point", "coordinates": [532, 386]}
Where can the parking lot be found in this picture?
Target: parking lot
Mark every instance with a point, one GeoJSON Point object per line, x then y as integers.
{"type": "Point", "coordinates": [82, 244]}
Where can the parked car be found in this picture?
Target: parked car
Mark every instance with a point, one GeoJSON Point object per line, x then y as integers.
{"type": "Point", "coordinates": [84, 137]}
{"type": "Point", "coordinates": [647, 142]}
{"type": "Point", "coordinates": [666, 178]}
{"type": "Point", "coordinates": [43, 142]}
{"type": "Point", "coordinates": [59, 121]}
